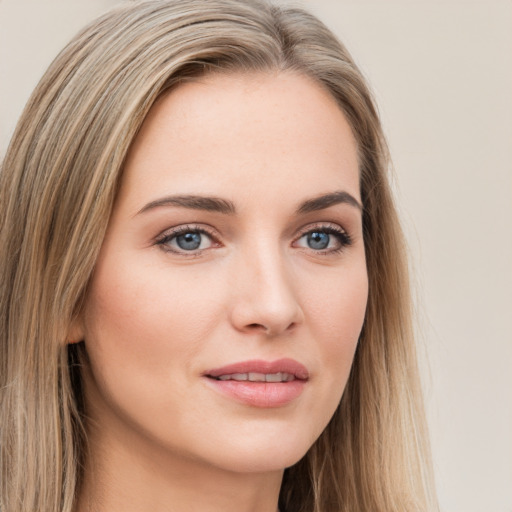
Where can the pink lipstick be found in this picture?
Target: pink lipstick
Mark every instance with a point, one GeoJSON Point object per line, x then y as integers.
{"type": "Point", "coordinates": [260, 383]}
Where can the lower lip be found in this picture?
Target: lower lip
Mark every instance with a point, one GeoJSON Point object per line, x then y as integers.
{"type": "Point", "coordinates": [260, 394]}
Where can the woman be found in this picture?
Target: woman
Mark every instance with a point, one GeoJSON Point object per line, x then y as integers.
{"type": "Point", "coordinates": [204, 292]}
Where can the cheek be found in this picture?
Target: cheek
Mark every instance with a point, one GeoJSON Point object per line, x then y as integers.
{"type": "Point", "coordinates": [336, 305]}
{"type": "Point", "coordinates": [142, 334]}
{"type": "Point", "coordinates": [146, 324]}
{"type": "Point", "coordinates": [336, 315]}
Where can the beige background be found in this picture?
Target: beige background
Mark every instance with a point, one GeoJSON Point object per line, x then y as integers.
{"type": "Point", "coordinates": [442, 74]}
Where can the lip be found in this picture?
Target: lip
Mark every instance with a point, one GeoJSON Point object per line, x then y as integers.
{"type": "Point", "coordinates": [260, 394]}
{"type": "Point", "coordinates": [259, 366]}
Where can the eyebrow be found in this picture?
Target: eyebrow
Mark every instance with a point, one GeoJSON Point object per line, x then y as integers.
{"type": "Point", "coordinates": [327, 200]}
{"type": "Point", "coordinates": [210, 204]}
{"type": "Point", "coordinates": [216, 204]}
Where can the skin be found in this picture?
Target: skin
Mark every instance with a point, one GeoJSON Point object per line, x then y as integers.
{"type": "Point", "coordinates": [157, 317]}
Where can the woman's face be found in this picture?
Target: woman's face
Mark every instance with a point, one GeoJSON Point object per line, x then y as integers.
{"type": "Point", "coordinates": [231, 287]}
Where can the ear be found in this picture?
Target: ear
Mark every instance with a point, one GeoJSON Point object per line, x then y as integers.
{"type": "Point", "coordinates": [75, 331]}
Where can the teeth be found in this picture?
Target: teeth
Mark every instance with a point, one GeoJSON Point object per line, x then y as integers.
{"type": "Point", "coordinates": [256, 377]}
{"type": "Point", "coordinates": [259, 377]}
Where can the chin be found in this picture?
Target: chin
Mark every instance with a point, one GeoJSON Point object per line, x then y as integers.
{"type": "Point", "coordinates": [262, 462]}
{"type": "Point", "coordinates": [267, 452]}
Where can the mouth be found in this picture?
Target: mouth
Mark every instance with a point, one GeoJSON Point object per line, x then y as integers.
{"type": "Point", "coordinates": [257, 377]}
{"type": "Point", "coordinates": [281, 370]}
{"type": "Point", "coordinates": [258, 383]}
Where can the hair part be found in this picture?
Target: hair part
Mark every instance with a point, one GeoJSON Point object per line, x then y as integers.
{"type": "Point", "coordinates": [58, 183]}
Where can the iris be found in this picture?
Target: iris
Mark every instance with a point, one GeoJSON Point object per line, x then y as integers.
{"type": "Point", "coordinates": [318, 240]}
{"type": "Point", "coordinates": [189, 241]}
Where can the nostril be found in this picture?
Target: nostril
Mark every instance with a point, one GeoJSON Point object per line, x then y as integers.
{"type": "Point", "coordinates": [268, 329]}
{"type": "Point", "coordinates": [258, 327]}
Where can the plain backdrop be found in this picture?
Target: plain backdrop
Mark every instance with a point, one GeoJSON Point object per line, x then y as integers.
{"type": "Point", "coordinates": [442, 75]}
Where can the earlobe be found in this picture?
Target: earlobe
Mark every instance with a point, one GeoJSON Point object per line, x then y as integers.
{"type": "Point", "coordinates": [75, 332]}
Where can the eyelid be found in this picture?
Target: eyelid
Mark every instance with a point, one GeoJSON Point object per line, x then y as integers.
{"type": "Point", "coordinates": [325, 226]}
{"type": "Point", "coordinates": [167, 235]}
{"type": "Point", "coordinates": [343, 235]}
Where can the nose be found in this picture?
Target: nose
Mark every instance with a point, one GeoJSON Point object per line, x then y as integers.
{"type": "Point", "coordinates": [264, 297]}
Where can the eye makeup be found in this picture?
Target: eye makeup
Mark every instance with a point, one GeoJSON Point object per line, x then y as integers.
{"type": "Point", "coordinates": [323, 239]}
{"type": "Point", "coordinates": [187, 240]}
{"type": "Point", "coordinates": [192, 240]}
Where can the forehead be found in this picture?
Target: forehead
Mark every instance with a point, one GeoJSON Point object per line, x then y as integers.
{"type": "Point", "coordinates": [227, 132]}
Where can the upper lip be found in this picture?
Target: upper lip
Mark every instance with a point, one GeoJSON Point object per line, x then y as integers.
{"type": "Point", "coordinates": [286, 365]}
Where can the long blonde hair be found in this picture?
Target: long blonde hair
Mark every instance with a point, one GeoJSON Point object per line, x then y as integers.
{"type": "Point", "coordinates": [58, 182]}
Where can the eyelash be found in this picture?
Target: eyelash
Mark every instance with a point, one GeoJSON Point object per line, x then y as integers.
{"type": "Point", "coordinates": [164, 240]}
{"type": "Point", "coordinates": [344, 239]}
{"type": "Point", "coordinates": [341, 235]}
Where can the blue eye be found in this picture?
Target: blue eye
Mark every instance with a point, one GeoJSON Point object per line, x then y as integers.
{"type": "Point", "coordinates": [189, 241]}
{"type": "Point", "coordinates": [318, 240]}
{"type": "Point", "coordinates": [326, 239]}
{"type": "Point", "coordinates": [186, 239]}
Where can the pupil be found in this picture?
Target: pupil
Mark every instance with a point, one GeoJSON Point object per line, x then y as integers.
{"type": "Point", "coordinates": [318, 240]}
{"type": "Point", "coordinates": [189, 241]}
